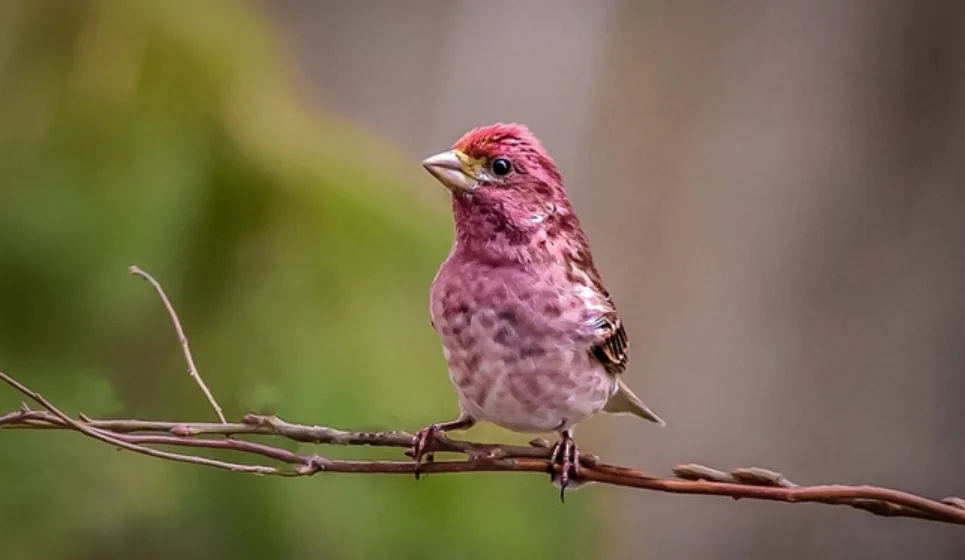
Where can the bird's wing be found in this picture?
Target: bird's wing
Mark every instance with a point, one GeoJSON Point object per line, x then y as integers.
{"type": "Point", "coordinates": [611, 347]}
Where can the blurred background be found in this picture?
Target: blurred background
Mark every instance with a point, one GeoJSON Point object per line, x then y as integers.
{"type": "Point", "coordinates": [774, 191]}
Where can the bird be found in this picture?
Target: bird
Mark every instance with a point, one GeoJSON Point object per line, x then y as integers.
{"type": "Point", "coordinates": [532, 338]}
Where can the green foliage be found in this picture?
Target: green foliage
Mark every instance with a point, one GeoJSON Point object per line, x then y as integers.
{"type": "Point", "coordinates": [165, 134]}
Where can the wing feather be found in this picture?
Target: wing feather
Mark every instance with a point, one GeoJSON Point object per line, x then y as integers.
{"type": "Point", "coordinates": [612, 347]}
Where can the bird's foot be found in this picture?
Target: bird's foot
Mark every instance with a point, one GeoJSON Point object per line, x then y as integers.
{"type": "Point", "coordinates": [567, 456]}
{"type": "Point", "coordinates": [420, 448]}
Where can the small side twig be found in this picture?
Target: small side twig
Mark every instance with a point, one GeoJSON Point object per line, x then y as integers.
{"type": "Point", "coordinates": [183, 339]}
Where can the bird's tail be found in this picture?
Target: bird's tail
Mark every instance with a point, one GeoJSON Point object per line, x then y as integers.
{"type": "Point", "coordinates": [624, 402]}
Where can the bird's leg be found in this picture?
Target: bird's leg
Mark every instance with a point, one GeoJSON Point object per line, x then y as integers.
{"type": "Point", "coordinates": [422, 438]}
{"type": "Point", "coordinates": [567, 456]}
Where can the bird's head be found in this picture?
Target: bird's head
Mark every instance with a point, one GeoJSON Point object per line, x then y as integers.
{"type": "Point", "coordinates": [506, 189]}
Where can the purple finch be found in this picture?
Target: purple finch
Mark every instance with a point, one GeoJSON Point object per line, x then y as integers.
{"type": "Point", "coordinates": [531, 336]}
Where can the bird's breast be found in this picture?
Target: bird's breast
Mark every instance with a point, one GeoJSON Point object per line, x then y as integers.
{"type": "Point", "coordinates": [515, 348]}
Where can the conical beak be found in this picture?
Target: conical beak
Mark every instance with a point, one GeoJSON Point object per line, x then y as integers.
{"type": "Point", "coordinates": [449, 168]}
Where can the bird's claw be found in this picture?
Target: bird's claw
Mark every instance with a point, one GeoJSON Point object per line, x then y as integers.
{"type": "Point", "coordinates": [420, 449]}
{"type": "Point", "coordinates": [567, 456]}
{"type": "Point", "coordinates": [421, 445]}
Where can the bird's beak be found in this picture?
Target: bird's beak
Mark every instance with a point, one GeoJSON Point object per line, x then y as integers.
{"type": "Point", "coordinates": [451, 169]}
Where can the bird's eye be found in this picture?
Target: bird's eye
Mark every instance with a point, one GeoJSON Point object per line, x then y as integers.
{"type": "Point", "coordinates": [501, 166]}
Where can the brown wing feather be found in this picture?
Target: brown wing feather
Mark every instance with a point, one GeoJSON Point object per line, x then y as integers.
{"type": "Point", "coordinates": [613, 347]}
{"type": "Point", "coordinates": [612, 350]}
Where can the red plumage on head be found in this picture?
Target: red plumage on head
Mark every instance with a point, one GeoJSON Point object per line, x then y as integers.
{"type": "Point", "coordinates": [523, 216]}
{"type": "Point", "coordinates": [516, 142]}
{"type": "Point", "coordinates": [485, 139]}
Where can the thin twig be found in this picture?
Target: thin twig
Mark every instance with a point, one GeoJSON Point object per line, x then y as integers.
{"type": "Point", "coordinates": [192, 369]}
{"type": "Point", "coordinates": [254, 424]}
{"type": "Point", "coordinates": [113, 439]}
{"type": "Point", "coordinates": [746, 483]}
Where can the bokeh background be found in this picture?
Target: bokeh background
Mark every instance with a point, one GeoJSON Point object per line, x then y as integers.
{"type": "Point", "coordinates": [775, 191]}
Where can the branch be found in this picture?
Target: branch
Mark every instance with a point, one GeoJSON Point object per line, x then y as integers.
{"type": "Point", "coordinates": [143, 436]}
{"type": "Point", "coordinates": [750, 483]}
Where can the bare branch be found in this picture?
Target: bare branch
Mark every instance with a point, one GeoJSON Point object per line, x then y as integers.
{"type": "Point", "coordinates": [192, 369]}
{"type": "Point", "coordinates": [746, 483]}
{"type": "Point", "coordinates": [143, 436]}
